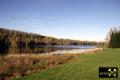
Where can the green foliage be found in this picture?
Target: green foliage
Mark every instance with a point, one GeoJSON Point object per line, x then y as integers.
{"type": "Point", "coordinates": [114, 41]}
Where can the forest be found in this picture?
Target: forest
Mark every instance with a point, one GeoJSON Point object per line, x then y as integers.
{"type": "Point", "coordinates": [18, 38]}
{"type": "Point", "coordinates": [113, 38]}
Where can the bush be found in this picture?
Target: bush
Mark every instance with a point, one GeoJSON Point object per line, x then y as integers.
{"type": "Point", "coordinates": [21, 65]}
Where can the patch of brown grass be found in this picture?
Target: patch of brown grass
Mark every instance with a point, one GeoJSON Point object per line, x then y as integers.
{"type": "Point", "coordinates": [21, 65]}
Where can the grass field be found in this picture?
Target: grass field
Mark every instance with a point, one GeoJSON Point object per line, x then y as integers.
{"type": "Point", "coordinates": [85, 67]}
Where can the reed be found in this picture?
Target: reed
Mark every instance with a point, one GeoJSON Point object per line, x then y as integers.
{"type": "Point", "coordinates": [20, 65]}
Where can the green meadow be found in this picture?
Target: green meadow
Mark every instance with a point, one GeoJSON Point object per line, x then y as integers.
{"type": "Point", "coordinates": [85, 67]}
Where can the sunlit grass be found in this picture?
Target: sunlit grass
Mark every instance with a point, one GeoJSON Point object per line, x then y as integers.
{"type": "Point", "coordinates": [85, 67]}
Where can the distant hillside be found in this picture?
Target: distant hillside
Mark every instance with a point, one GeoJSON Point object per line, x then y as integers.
{"type": "Point", "coordinates": [18, 38]}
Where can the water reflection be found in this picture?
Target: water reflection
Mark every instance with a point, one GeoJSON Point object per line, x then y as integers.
{"type": "Point", "coordinates": [3, 50]}
{"type": "Point", "coordinates": [43, 49]}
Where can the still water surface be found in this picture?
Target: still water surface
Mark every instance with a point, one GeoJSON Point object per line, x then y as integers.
{"type": "Point", "coordinates": [43, 49]}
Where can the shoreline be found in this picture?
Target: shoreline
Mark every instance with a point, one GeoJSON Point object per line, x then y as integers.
{"type": "Point", "coordinates": [33, 63]}
{"type": "Point", "coordinates": [82, 51]}
{"type": "Point", "coordinates": [88, 51]}
{"type": "Point", "coordinates": [92, 51]}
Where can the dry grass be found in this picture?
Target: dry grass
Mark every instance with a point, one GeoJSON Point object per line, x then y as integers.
{"type": "Point", "coordinates": [16, 65]}
{"type": "Point", "coordinates": [21, 65]}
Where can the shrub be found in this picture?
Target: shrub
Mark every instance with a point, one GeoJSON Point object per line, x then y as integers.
{"type": "Point", "coordinates": [21, 65]}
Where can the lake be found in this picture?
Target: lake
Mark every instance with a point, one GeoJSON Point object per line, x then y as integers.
{"type": "Point", "coordinates": [43, 49]}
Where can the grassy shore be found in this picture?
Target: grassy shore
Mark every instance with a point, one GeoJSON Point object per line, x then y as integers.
{"type": "Point", "coordinates": [85, 67]}
{"type": "Point", "coordinates": [16, 65]}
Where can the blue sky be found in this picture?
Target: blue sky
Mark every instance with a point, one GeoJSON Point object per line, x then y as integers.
{"type": "Point", "coordinates": [73, 19]}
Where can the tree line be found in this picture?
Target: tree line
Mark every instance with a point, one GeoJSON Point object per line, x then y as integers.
{"type": "Point", "coordinates": [113, 38]}
{"type": "Point", "coordinates": [18, 38]}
